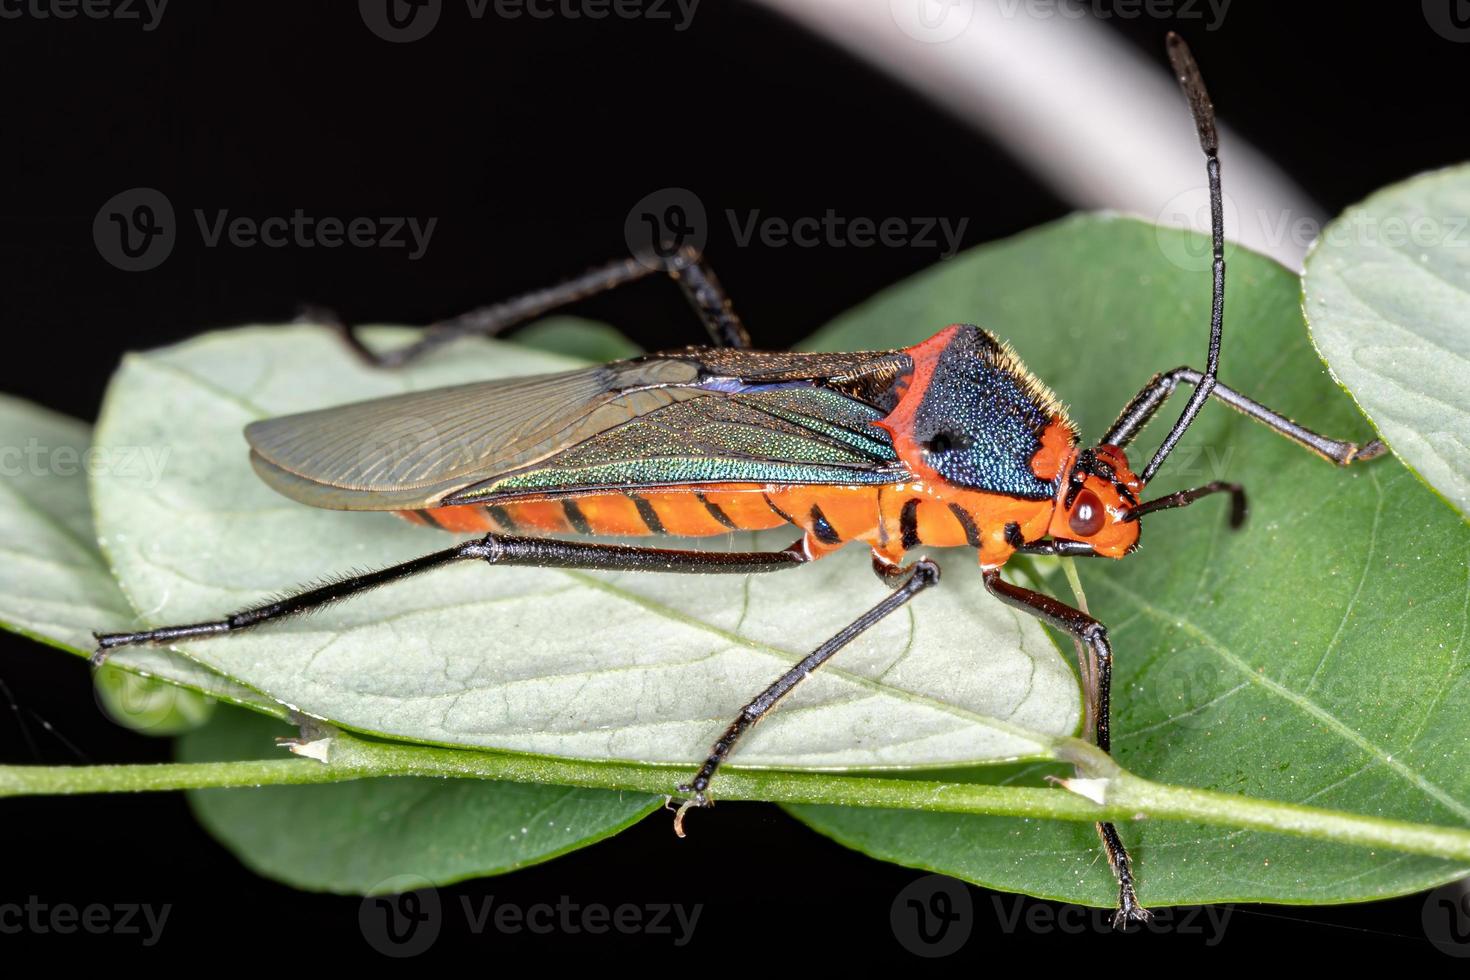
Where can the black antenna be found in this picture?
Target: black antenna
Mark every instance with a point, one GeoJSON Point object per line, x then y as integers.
{"type": "Point", "coordinates": [1204, 120]}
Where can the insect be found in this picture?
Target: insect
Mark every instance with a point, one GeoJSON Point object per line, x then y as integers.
{"type": "Point", "coordinates": [950, 442]}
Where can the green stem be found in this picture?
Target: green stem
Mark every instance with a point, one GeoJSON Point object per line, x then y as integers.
{"type": "Point", "coordinates": [353, 758]}
{"type": "Point", "coordinates": [1133, 794]}
{"type": "Point", "coordinates": [1125, 796]}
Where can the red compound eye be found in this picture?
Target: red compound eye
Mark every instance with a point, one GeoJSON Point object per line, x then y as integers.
{"type": "Point", "coordinates": [1088, 516]}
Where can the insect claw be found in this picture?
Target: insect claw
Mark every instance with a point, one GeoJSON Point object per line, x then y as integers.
{"type": "Point", "coordinates": [1371, 449]}
{"type": "Point", "coordinates": [1129, 911]}
{"type": "Point", "coordinates": [695, 799]}
{"type": "Point", "coordinates": [1239, 508]}
{"type": "Point", "coordinates": [106, 641]}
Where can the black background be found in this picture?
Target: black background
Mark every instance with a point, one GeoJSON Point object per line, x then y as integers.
{"type": "Point", "coordinates": [529, 140]}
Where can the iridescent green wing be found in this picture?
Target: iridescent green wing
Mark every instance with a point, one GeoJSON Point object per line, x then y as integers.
{"type": "Point", "coordinates": [661, 420]}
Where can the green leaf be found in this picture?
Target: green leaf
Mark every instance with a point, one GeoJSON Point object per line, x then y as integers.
{"type": "Point", "coordinates": [1387, 292]}
{"type": "Point", "coordinates": [631, 667]}
{"type": "Point", "coordinates": [55, 586]}
{"type": "Point", "coordinates": [366, 837]}
{"type": "Point", "coordinates": [1315, 656]}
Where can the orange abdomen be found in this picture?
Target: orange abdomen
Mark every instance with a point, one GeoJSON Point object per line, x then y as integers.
{"type": "Point", "coordinates": [686, 512]}
{"type": "Point", "coordinates": [890, 519]}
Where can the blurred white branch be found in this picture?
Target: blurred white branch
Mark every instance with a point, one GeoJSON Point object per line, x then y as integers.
{"type": "Point", "coordinates": [1104, 127]}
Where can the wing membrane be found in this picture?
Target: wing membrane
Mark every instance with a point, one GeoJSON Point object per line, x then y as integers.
{"type": "Point", "coordinates": [651, 421]}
